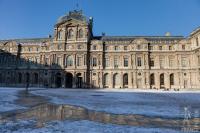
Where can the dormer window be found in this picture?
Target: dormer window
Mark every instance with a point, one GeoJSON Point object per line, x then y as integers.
{"type": "Point", "coordinates": [125, 48]}
{"type": "Point", "coordinates": [160, 47]}
{"type": "Point", "coordinates": [80, 33]}
{"type": "Point", "coordinates": [70, 34]}
{"type": "Point", "coordinates": [170, 47]}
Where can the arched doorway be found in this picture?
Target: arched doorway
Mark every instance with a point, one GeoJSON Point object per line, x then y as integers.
{"type": "Point", "coordinates": [1, 81]}
{"type": "Point", "coordinates": [152, 80]}
{"type": "Point", "coordinates": [171, 80]}
{"type": "Point", "coordinates": [19, 78]}
{"type": "Point", "coordinates": [116, 81]}
{"type": "Point", "coordinates": [162, 80]}
{"type": "Point", "coordinates": [27, 78]}
{"type": "Point", "coordinates": [125, 80]}
{"type": "Point", "coordinates": [58, 80]}
{"type": "Point", "coordinates": [35, 77]}
{"type": "Point", "coordinates": [68, 80]}
{"type": "Point", "coordinates": [79, 80]}
{"type": "Point", "coordinates": [106, 80]}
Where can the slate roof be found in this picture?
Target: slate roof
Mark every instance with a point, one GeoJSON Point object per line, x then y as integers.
{"type": "Point", "coordinates": [28, 40]}
{"type": "Point", "coordinates": [148, 38]}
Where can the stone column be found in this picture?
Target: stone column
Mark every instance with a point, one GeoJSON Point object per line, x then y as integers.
{"type": "Point", "coordinates": [130, 84]}
{"type": "Point", "coordinates": [167, 81]}
{"type": "Point", "coordinates": [122, 80]}
{"type": "Point", "coordinates": [111, 80]}
{"type": "Point", "coordinates": [147, 80]}
{"type": "Point", "coordinates": [135, 80]}
{"type": "Point", "coordinates": [157, 80]}
{"type": "Point", "coordinates": [74, 80]}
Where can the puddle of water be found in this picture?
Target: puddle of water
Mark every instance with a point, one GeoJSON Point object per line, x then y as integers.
{"type": "Point", "coordinates": [48, 112]}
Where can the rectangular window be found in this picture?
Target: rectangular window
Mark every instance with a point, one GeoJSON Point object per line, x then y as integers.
{"type": "Point", "coordinates": [125, 48]}
{"type": "Point", "coordinates": [59, 46]}
{"type": "Point", "coordinates": [151, 62]}
{"type": "Point", "coordinates": [107, 62]}
{"type": "Point", "coordinates": [125, 61]}
{"type": "Point", "coordinates": [160, 47]}
{"type": "Point", "coordinates": [184, 61]}
{"type": "Point", "coordinates": [150, 47]}
{"type": "Point", "coordinates": [170, 47]}
{"type": "Point", "coordinates": [79, 61]}
{"type": "Point", "coordinates": [106, 48]}
{"type": "Point", "coordinates": [199, 60]}
{"type": "Point", "coordinates": [162, 62]}
{"type": "Point", "coordinates": [171, 62]}
{"type": "Point", "coordinates": [197, 41]}
{"type": "Point", "coordinates": [94, 62]}
{"type": "Point", "coordinates": [116, 48]}
{"type": "Point", "coordinates": [139, 61]}
{"type": "Point", "coordinates": [116, 62]}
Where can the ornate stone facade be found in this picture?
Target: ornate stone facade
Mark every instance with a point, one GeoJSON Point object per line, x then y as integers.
{"type": "Point", "coordinates": [74, 58]}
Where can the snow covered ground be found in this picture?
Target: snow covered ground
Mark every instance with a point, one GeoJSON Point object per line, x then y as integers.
{"type": "Point", "coordinates": [150, 103]}
{"type": "Point", "coordinates": [7, 97]}
{"type": "Point", "coordinates": [83, 126]}
{"type": "Point", "coordinates": [144, 102]}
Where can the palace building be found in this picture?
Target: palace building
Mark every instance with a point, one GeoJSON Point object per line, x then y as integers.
{"type": "Point", "coordinates": [74, 58]}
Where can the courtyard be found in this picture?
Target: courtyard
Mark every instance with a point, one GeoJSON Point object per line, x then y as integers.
{"type": "Point", "coordinates": [98, 110]}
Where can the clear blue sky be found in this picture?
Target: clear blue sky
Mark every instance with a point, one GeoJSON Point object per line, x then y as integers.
{"type": "Point", "coordinates": [36, 18]}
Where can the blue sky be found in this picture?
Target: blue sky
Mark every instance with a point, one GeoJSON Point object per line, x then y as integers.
{"type": "Point", "coordinates": [36, 18]}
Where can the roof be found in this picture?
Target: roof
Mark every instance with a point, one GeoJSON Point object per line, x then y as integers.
{"type": "Point", "coordinates": [77, 15]}
{"type": "Point", "coordinates": [28, 40]}
{"type": "Point", "coordinates": [195, 31]}
{"type": "Point", "coordinates": [149, 38]}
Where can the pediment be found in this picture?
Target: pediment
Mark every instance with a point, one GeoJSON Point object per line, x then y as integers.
{"type": "Point", "coordinates": [71, 22]}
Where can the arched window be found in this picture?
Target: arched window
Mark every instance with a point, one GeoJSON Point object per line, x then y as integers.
{"type": "Point", "coordinates": [152, 79]}
{"type": "Point", "coordinates": [116, 80]}
{"type": "Point", "coordinates": [70, 34]}
{"type": "Point", "coordinates": [19, 78]}
{"type": "Point", "coordinates": [162, 79]}
{"type": "Point", "coordinates": [80, 33]}
{"type": "Point", "coordinates": [106, 80]}
{"type": "Point", "coordinates": [35, 78]}
{"type": "Point", "coordinates": [172, 79]}
{"type": "Point", "coordinates": [69, 61]}
{"type": "Point", "coordinates": [125, 80]}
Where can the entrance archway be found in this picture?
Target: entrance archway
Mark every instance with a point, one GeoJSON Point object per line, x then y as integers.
{"type": "Point", "coordinates": [125, 80]}
{"type": "Point", "coordinates": [162, 81]}
{"type": "Point", "coordinates": [171, 77]}
{"type": "Point", "coordinates": [152, 80]}
{"type": "Point", "coordinates": [116, 80]}
{"type": "Point", "coordinates": [58, 80]}
{"type": "Point", "coordinates": [79, 80]}
{"type": "Point", "coordinates": [68, 80]}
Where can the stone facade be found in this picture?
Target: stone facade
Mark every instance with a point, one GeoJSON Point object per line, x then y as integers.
{"type": "Point", "coordinates": [74, 58]}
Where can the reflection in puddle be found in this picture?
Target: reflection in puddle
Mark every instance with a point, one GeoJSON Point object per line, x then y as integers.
{"type": "Point", "coordinates": [48, 112]}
